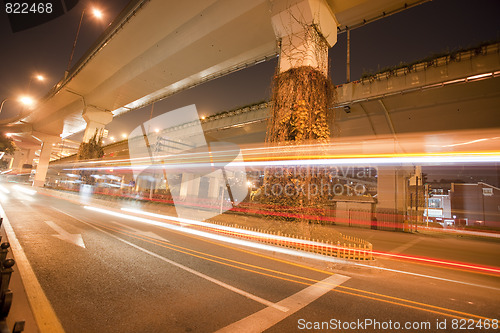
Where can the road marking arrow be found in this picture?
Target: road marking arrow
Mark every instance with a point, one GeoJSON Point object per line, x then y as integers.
{"type": "Point", "coordinates": [66, 236]}
{"type": "Point", "coordinates": [149, 234]}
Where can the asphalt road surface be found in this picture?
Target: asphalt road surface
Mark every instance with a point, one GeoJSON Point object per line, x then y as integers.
{"type": "Point", "coordinates": [92, 271]}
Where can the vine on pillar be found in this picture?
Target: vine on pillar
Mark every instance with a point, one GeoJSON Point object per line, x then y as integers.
{"type": "Point", "coordinates": [303, 98]}
{"type": "Point", "coordinates": [90, 150]}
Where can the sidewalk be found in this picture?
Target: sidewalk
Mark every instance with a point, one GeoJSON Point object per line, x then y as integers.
{"type": "Point", "coordinates": [20, 309]}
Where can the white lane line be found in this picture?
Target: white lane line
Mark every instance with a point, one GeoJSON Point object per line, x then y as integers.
{"type": "Point", "coordinates": [277, 249]}
{"type": "Point", "coordinates": [405, 246]}
{"type": "Point", "coordinates": [187, 269]}
{"type": "Point", "coordinates": [265, 318]}
{"type": "Point", "coordinates": [63, 235]}
{"type": "Point", "coordinates": [43, 312]}
{"type": "Point", "coordinates": [148, 234]}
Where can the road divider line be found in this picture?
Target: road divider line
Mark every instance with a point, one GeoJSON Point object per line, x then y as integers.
{"type": "Point", "coordinates": [147, 234]}
{"type": "Point", "coordinates": [187, 269]}
{"type": "Point", "coordinates": [268, 317]}
{"type": "Point", "coordinates": [405, 246]}
{"type": "Point", "coordinates": [272, 248]}
{"type": "Point", "coordinates": [43, 312]}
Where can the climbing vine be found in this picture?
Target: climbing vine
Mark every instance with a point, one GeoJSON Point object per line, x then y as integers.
{"type": "Point", "coordinates": [301, 114]}
{"type": "Point", "coordinates": [90, 151]}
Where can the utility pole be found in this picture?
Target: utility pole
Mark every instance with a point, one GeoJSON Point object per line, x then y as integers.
{"type": "Point", "coordinates": [416, 202]}
{"type": "Point", "coordinates": [348, 64]}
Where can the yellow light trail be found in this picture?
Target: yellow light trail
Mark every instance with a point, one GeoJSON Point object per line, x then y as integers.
{"type": "Point", "coordinates": [293, 278]}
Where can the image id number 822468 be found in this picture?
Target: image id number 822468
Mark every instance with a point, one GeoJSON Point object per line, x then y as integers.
{"type": "Point", "coordinates": [28, 8]}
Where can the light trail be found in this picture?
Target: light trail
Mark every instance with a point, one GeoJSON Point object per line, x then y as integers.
{"type": "Point", "coordinates": [4, 189]}
{"type": "Point", "coordinates": [320, 160]}
{"type": "Point", "coordinates": [24, 190]}
{"type": "Point", "coordinates": [298, 279]}
{"type": "Point", "coordinates": [286, 240]}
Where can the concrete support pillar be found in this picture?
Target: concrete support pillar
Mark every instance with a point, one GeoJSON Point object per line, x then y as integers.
{"type": "Point", "coordinates": [306, 29]}
{"type": "Point", "coordinates": [11, 163]}
{"type": "Point", "coordinates": [213, 188]}
{"type": "Point", "coordinates": [18, 159]}
{"type": "Point", "coordinates": [96, 120]}
{"type": "Point", "coordinates": [30, 155]}
{"type": "Point", "coordinates": [190, 185]}
{"type": "Point", "coordinates": [392, 190]}
{"type": "Point", "coordinates": [43, 163]}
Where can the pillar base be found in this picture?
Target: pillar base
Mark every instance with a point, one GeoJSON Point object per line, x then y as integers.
{"type": "Point", "coordinates": [38, 183]}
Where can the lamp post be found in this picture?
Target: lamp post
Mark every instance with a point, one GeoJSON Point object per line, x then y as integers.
{"type": "Point", "coordinates": [38, 77]}
{"type": "Point", "coordinates": [26, 100]}
{"type": "Point", "coordinates": [97, 14]}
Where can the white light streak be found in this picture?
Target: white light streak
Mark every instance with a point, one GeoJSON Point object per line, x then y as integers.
{"type": "Point", "coordinates": [4, 189]}
{"type": "Point", "coordinates": [367, 161]}
{"type": "Point", "coordinates": [24, 190]}
{"type": "Point", "coordinates": [265, 247]}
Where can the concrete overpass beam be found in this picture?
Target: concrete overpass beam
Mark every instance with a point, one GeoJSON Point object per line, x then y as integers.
{"type": "Point", "coordinates": [96, 120]}
{"type": "Point", "coordinates": [306, 29]}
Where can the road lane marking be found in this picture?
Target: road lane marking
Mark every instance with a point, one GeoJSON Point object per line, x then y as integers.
{"type": "Point", "coordinates": [272, 248]}
{"type": "Point", "coordinates": [190, 270]}
{"type": "Point", "coordinates": [405, 246]}
{"type": "Point", "coordinates": [376, 296]}
{"type": "Point", "coordinates": [147, 234]}
{"type": "Point", "coordinates": [268, 317]}
{"type": "Point", "coordinates": [379, 297]}
{"type": "Point", "coordinates": [394, 300]}
{"type": "Point", "coordinates": [43, 312]}
{"type": "Point", "coordinates": [63, 235]}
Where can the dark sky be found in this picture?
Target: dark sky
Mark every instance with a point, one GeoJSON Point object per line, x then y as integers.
{"type": "Point", "coordinates": [416, 33]}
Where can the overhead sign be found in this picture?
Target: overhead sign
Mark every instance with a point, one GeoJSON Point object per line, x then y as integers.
{"type": "Point", "coordinates": [487, 191]}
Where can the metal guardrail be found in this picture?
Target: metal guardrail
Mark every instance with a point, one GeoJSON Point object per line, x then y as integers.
{"type": "Point", "coordinates": [349, 247]}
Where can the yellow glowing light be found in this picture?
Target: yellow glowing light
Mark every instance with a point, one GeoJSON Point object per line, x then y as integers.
{"type": "Point", "coordinates": [40, 77]}
{"type": "Point", "coordinates": [124, 135]}
{"type": "Point", "coordinates": [157, 130]}
{"type": "Point", "coordinates": [26, 100]}
{"type": "Point", "coordinates": [97, 13]}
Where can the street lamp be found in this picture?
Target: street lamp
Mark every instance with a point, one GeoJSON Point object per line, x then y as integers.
{"type": "Point", "coordinates": [25, 100]}
{"type": "Point", "coordinates": [97, 14]}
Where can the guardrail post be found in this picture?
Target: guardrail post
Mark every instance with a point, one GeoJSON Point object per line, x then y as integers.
{"type": "Point", "coordinates": [5, 293]}
{"type": "Point", "coordinates": [4, 249]}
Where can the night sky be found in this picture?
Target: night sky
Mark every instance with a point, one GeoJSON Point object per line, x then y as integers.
{"type": "Point", "coordinates": [434, 27]}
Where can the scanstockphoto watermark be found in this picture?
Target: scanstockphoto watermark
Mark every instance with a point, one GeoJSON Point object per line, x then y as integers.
{"type": "Point", "coordinates": [321, 181]}
{"type": "Point", "coordinates": [371, 324]}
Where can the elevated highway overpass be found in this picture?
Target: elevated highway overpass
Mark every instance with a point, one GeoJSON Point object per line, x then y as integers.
{"type": "Point", "coordinates": [444, 105]}
{"type": "Point", "coordinates": [156, 48]}
{"type": "Point", "coordinates": [463, 87]}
